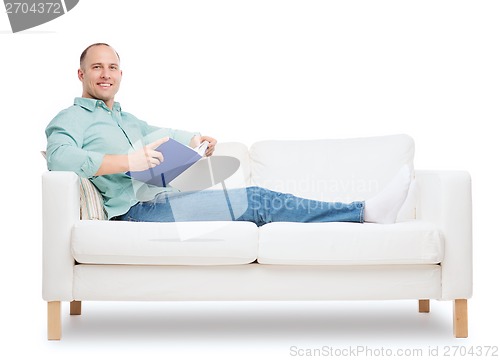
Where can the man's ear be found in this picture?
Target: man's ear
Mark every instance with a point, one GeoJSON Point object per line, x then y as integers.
{"type": "Point", "coordinates": [80, 74]}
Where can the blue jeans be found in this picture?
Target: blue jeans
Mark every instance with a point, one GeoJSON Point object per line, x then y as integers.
{"type": "Point", "coordinates": [254, 204]}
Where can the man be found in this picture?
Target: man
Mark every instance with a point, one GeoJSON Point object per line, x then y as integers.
{"type": "Point", "coordinates": [94, 137]}
{"type": "Point", "coordinates": [97, 140]}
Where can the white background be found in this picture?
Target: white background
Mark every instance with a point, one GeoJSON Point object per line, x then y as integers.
{"type": "Point", "coordinates": [247, 71]}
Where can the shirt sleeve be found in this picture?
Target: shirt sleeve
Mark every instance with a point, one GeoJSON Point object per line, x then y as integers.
{"type": "Point", "coordinates": [152, 133]}
{"type": "Point", "coordinates": [64, 148]}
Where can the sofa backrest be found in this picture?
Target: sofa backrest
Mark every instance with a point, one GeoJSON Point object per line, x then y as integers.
{"type": "Point", "coordinates": [330, 170]}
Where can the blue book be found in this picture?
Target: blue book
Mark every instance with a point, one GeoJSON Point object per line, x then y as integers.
{"type": "Point", "coordinates": [177, 158]}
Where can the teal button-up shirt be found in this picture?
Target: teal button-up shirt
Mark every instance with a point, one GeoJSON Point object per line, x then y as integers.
{"type": "Point", "coordinates": [79, 137]}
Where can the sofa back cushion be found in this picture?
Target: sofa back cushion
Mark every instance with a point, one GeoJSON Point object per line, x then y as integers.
{"type": "Point", "coordinates": [330, 170]}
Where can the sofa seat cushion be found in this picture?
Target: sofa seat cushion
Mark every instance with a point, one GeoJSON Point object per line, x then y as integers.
{"type": "Point", "coordinates": [138, 243]}
{"type": "Point", "coordinates": [409, 242]}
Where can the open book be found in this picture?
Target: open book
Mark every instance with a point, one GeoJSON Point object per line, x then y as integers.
{"type": "Point", "coordinates": [177, 158]}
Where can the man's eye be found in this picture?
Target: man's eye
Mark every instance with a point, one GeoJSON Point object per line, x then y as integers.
{"type": "Point", "coordinates": [96, 67]}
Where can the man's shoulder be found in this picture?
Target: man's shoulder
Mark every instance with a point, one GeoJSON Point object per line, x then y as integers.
{"type": "Point", "coordinates": [70, 116]}
{"type": "Point", "coordinates": [69, 112]}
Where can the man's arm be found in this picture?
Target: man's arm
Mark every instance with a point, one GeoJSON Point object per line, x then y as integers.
{"type": "Point", "coordinates": [145, 158]}
{"type": "Point", "coordinates": [64, 151]}
{"type": "Point", "coordinates": [112, 164]}
{"type": "Point", "coordinates": [64, 147]}
{"type": "Point", "coordinates": [139, 160]}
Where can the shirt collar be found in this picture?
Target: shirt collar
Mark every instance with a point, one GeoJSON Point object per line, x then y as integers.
{"type": "Point", "coordinates": [92, 104]}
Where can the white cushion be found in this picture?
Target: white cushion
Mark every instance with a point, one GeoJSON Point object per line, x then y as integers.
{"type": "Point", "coordinates": [411, 242]}
{"type": "Point", "coordinates": [193, 243]}
{"type": "Point", "coordinates": [330, 170]}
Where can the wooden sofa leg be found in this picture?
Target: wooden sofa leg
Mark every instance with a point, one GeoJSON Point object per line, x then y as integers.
{"type": "Point", "coordinates": [54, 320]}
{"type": "Point", "coordinates": [460, 318]}
{"type": "Point", "coordinates": [75, 308]}
{"type": "Point", "coordinates": [424, 306]}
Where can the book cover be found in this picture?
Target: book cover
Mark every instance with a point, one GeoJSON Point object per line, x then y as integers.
{"type": "Point", "coordinates": [177, 158]}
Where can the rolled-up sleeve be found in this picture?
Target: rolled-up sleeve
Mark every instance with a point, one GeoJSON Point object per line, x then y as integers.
{"type": "Point", "coordinates": [64, 149]}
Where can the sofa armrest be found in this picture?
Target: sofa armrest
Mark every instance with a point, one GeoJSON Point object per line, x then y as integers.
{"type": "Point", "coordinates": [445, 199]}
{"type": "Point", "coordinates": [61, 210]}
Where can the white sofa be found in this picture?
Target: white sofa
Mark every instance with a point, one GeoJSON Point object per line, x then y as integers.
{"type": "Point", "coordinates": [426, 254]}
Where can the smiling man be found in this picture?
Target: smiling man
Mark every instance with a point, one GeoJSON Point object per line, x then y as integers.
{"type": "Point", "coordinates": [97, 140]}
{"type": "Point", "coordinates": [100, 73]}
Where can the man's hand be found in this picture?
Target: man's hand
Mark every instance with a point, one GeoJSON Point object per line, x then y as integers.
{"type": "Point", "coordinates": [197, 140]}
{"type": "Point", "coordinates": [211, 144]}
{"type": "Point", "coordinates": [147, 157]}
{"type": "Point", "coordinates": [139, 160]}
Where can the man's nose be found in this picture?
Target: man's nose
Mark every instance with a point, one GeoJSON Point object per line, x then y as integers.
{"type": "Point", "coordinates": [105, 74]}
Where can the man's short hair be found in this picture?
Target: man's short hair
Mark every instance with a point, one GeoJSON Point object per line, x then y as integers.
{"type": "Point", "coordinates": [84, 53]}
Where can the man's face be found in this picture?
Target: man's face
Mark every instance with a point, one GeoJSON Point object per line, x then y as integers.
{"type": "Point", "coordinates": [100, 74]}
